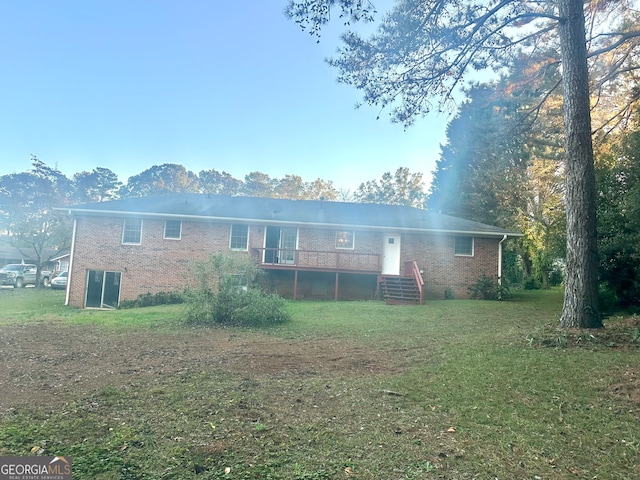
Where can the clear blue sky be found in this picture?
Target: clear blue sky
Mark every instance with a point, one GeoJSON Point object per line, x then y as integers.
{"type": "Point", "coordinates": [231, 86]}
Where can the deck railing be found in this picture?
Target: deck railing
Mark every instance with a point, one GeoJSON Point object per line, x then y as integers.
{"type": "Point", "coordinates": [335, 260]}
{"type": "Point", "coordinates": [411, 269]}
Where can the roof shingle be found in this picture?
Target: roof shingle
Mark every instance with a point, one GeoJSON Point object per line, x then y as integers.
{"type": "Point", "coordinates": [284, 211]}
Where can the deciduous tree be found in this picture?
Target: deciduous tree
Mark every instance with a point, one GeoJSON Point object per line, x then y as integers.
{"type": "Point", "coordinates": [258, 184]}
{"type": "Point", "coordinates": [321, 189]}
{"type": "Point", "coordinates": [27, 200]}
{"type": "Point", "coordinates": [99, 185]}
{"type": "Point", "coordinates": [218, 183]}
{"type": "Point", "coordinates": [165, 178]}
{"type": "Point", "coordinates": [401, 188]}
{"type": "Point", "coordinates": [290, 186]}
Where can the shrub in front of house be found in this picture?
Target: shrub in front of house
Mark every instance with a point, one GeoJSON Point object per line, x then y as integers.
{"type": "Point", "coordinates": [150, 300]}
{"type": "Point", "coordinates": [530, 283]}
{"type": "Point", "coordinates": [226, 293]}
{"type": "Point", "coordinates": [252, 307]}
{"type": "Point", "coordinates": [487, 288]}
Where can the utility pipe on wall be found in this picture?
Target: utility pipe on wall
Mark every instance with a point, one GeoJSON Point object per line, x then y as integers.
{"type": "Point", "coordinates": [70, 266]}
{"type": "Point", "coordinates": [500, 260]}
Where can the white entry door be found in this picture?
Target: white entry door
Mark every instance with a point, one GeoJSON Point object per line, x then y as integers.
{"type": "Point", "coordinates": [391, 255]}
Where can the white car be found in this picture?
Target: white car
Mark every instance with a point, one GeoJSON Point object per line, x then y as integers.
{"type": "Point", "coordinates": [60, 282]}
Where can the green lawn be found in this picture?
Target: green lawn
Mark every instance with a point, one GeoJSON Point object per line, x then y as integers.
{"type": "Point", "coordinates": [454, 389]}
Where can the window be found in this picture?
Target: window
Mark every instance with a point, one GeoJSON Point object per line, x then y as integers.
{"type": "Point", "coordinates": [240, 281]}
{"type": "Point", "coordinates": [239, 237]}
{"type": "Point", "coordinates": [345, 239]}
{"type": "Point", "coordinates": [172, 229]}
{"type": "Point", "coordinates": [132, 231]}
{"type": "Point", "coordinates": [463, 246]}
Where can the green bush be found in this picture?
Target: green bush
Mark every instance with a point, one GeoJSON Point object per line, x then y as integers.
{"type": "Point", "coordinates": [251, 308]}
{"type": "Point", "coordinates": [556, 275]}
{"type": "Point", "coordinates": [199, 307]}
{"type": "Point", "coordinates": [607, 299]}
{"type": "Point", "coordinates": [150, 300]}
{"type": "Point", "coordinates": [530, 283]}
{"type": "Point", "coordinates": [227, 294]}
{"type": "Point", "coordinates": [487, 288]}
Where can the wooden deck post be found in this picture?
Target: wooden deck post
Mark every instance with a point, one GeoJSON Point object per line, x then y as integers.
{"type": "Point", "coordinates": [336, 294]}
{"type": "Point", "coordinates": [295, 284]}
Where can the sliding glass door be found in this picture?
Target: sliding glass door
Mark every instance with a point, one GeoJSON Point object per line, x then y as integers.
{"type": "Point", "coordinates": [280, 245]}
{"type": "Point", "coordinates": [103, 289]}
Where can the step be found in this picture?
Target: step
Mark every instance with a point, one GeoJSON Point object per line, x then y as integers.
{"type": "Point", "coordinates": [400, 290]}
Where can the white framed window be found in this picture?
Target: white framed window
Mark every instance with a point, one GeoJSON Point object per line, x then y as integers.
{"type": "Point", "coordinates": [132, 231]}
{"type": "Point", "coordinates": [345, 239]}
{"type": "Point", "coordinates": [172, 229]}
{"type": "Point", "coordinates": [239, 237]}
{"type": "Point", "coordinates": [463, 246]}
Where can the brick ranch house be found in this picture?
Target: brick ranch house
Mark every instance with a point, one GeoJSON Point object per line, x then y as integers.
{"type": "Point", "coordinates": [309, 249]}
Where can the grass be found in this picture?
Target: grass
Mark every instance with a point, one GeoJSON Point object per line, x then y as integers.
{"type": "Point", "coordinates": [487, 390]}
{"type": "Point", "coordinates": [44, 304]}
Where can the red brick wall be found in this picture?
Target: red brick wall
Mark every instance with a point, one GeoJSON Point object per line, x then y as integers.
{"type": "Point", "coordinates": [155, 265]}
{"type": "Point", "coordinates": [444, 270]}
{"type": "Point", "coordinates": [325, 239]}
{"type": "Point", "coordinates": [162, 265]}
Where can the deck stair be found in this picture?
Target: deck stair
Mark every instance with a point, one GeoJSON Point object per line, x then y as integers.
{"type": "Point", "coordinates": [403, 289]}
{"type": "Point", "coordinates": [399, 290]}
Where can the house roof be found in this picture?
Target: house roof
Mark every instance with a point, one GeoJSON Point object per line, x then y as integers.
{"type": "Point", "coordinates": [11, 253]}
{"type": "Point", "coordinates": [204, 207]}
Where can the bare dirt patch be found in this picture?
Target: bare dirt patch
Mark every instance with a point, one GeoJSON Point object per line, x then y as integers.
{"type": "Point", "coordinates": [629, 388]}
{"type": "Point", "coordinates": [44, 364]}
{"type": "Point", "coordinates": [618, 333]}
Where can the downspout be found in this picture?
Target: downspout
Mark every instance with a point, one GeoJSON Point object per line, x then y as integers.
{"type": "Point", "coordinates": [73, 245]}
{"type": "Point", "coordinates": [500, 260]}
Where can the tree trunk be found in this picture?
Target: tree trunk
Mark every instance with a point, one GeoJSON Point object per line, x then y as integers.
{"type": "Point", "coordinates": [580, 307]}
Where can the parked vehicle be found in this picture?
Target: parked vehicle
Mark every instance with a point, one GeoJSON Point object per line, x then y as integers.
{"type": "Point", "coordinates": [59, 282]}
{"type": "Point", "coordinates": [22, 274]}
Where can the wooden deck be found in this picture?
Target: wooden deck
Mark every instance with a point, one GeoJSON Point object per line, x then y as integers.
{"type": "Point", "coordinates": [318, 260]}
{"type": "Point", "coordinates": [406, 288]}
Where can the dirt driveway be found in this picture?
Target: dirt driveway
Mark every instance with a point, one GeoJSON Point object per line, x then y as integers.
{"type": "Point", "coordinates": [44, 364]}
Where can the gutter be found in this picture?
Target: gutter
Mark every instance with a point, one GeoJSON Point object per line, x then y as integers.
{"type": "Point", "coordinates": [500, 259]}
{"type": "Point", "coordinates": [70, 267]}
